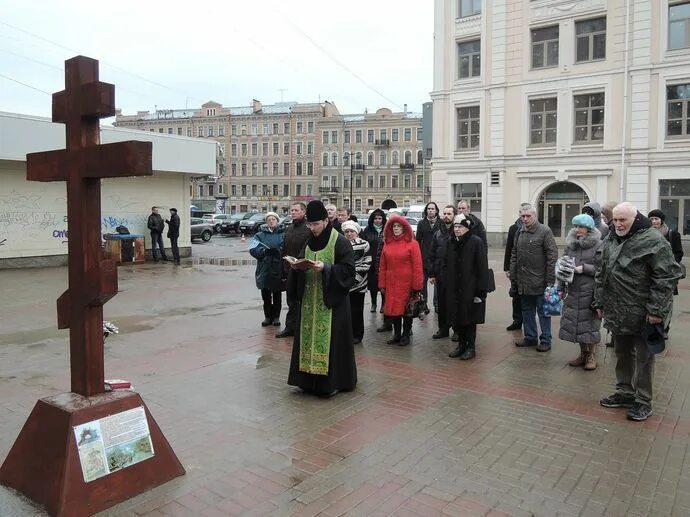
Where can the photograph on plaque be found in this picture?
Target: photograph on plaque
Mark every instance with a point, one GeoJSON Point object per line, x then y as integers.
{"type": "Point", "coordinates": [113, 443]}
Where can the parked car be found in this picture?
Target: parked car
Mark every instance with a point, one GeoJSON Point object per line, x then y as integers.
{"type": "Point", "coordinates": [285, 222]}
{"type": "Point", "coordinates": [252, 224]}
{"type": "Point", "coordinates": [232, 223]}
{"type": "Point", "coordinates": [413, 222]}
{"type": "Point", "coordinates": [216, 220]}
{"type": "Point", "coordinates": [200, 229]}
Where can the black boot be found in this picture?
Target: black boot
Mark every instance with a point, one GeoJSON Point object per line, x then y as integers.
{"type": "Point", "coordinates": [386, 327]}
{"type": "Point", "coordinates": [395, 339]}
{"type": "Point", "coordinates": [266, 322]}
{"type": "Point", "coordinates": [405, 339]}
{"type": "Point", "coordinates": [373, 307]}
{"type": "Point", "coordinates": [468, 353]}
{"type": "Point", "coordinates": [459, 350]}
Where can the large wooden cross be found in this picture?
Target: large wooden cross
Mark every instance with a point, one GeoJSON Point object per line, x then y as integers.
{"type": "Point", "coordinates": [92, 280]}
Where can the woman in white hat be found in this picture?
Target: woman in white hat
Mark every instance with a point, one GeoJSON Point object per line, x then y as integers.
{"type": "Point", "coordinates": [265, 248]}
{"type": "Point", "coordinates": [362, 252]}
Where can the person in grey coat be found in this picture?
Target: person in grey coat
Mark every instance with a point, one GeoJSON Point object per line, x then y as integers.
{"type": "Point", "coordinates": [579, 323]}
{"type": "Point", "coordinates": [593, 209]}
{"type": "Point", "coordinates": [532, 267]}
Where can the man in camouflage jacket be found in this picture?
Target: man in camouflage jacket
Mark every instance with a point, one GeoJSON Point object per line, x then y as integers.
{"type": "Point", "coordinates": [634, 286]}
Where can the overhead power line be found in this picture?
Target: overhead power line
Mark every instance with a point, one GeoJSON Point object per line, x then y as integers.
{"type": "Point", "coordinates": [24, 84]}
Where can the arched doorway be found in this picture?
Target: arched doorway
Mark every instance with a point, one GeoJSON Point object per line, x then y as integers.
{"type": "Point", "coordinates": [388, 204]}
{"type": "Point", "coordinates": [558, 204]}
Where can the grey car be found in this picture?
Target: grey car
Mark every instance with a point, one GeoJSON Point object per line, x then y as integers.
{"type": "Point", "coordinates": [200, 229]}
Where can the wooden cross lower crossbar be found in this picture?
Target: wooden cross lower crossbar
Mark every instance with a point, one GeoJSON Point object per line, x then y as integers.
{"type": "Point", "coordinates": [92, 279]}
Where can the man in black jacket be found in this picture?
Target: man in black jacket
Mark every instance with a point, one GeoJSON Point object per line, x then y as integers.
{"type": "Point", "coordinates": [437, 253]}
{"type": "Point", "coordinates": [156, 226]}
{"type": "Point", "coordinates": [426, 228]}
{"type": "Point", "coordinates": [477, 224]}
{"type": "Point", "coordinates": [174, 234]}
{"type": "Point", "coordinates": [517, 306]}
{"type": "Point", "coordinates": [296, 236]}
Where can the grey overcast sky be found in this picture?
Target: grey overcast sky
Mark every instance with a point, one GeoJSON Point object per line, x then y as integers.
{"type": "Point", "coordinates": [174, 54]}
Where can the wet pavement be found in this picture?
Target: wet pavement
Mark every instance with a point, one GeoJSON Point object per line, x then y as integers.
{"type": "Point", "coordinates": [513, 432]}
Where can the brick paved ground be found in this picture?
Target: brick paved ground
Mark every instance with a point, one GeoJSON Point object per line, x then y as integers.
{"type": "Point", "coordinates": [513, 432]}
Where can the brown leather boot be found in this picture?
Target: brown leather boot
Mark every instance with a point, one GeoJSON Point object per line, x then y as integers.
{"type": "Point", "coordinates": [590, 362]}
{"type": "Point", "coordinates": [580, 359]}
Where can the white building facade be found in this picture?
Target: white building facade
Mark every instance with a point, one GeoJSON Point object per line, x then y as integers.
{"type": "Point", "coordinates": [561, 102]}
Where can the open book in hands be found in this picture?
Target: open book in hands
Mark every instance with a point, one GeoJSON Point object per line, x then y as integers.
{"type": "Point", "coordinates": [300, 264]}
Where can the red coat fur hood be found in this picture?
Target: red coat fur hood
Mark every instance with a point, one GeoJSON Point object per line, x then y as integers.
{"type": "Point", "coordinates": [407, 235]}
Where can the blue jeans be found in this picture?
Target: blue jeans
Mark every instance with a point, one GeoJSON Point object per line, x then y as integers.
{"type": "Point", "coordinates": [157, 239]}
{"type": "Point", "coordinates": [530, 305]}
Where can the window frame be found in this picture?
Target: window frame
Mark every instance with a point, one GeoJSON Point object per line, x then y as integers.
{"type": "Point", "coordinates": [589, 108]}
{"type": "Point", "coordinates": [475, 9]}
{"type": "Point", "coordinates": [469, 134]}
{"type": "Point", "coordinates": [545, 45]}
{"type": "Point", "coordinates": [543, 128]}
{"type": "Point", "coordinates": [590, 36]}
{"type": "Point", "coordinates": [471, 67]}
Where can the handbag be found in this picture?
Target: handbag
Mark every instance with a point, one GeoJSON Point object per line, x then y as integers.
{"type": "Point", "coordinates": [552, 301]}
{"type": "Point", "coordinates": [490, 281]}
{"type": "Point", "coordinates": [415, 305]}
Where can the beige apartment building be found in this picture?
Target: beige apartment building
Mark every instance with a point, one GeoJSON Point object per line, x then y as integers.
{"type": "Point", "coordinates": [372, 160]}
{"type": "Point", "coordinates": [558, 102]}
{"type": "Point", "coordinates": [267, 155]}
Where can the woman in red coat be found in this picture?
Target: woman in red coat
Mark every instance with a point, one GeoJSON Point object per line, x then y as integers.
{"type": "Point", "coordinates": [400, 275]}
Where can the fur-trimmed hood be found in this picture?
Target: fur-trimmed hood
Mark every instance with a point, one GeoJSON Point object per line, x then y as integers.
{"type": "Point", "coordinates": [590, 240]}
{"type": "Point", "coordinates": [388, 229]}
{"type": "Point", "coordinates": [374, 213]}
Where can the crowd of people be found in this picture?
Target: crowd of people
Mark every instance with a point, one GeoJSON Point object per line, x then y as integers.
{"type": "Point", "coordinates": [618, 267]}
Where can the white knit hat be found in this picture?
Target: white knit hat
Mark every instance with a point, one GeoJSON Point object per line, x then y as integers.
{"type": "Point", "coordinates": [351, 225]}
{"type": "Point", "coordinates": [272, 214]}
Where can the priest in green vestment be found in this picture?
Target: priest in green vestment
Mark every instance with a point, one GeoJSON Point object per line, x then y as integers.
{"type": "Point", "coordinates": [323, 354]}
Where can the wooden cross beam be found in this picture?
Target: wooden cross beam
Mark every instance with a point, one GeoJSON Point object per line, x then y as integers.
{"type": "Point", "coordinates": [82, 165]}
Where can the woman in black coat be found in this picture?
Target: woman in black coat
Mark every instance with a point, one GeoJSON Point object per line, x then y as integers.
{"type": "Point", "coordinates": [373, 234]}
{"type": "Point", "coordinates": [466, 273]}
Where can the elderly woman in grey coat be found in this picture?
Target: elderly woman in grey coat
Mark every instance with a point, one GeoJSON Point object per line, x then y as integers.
{"type": "Point", "coordinates": [575, 272]}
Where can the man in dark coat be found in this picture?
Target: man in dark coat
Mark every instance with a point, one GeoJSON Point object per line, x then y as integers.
{"type": "Point", "coordinates": [156, 226]}
{"type": "Point", "coordinates": [466, 279]}
{"type": "Point", "coordinates": [477, 225]}
{"type": "Point", "coordinates": [426, 228]}
{"type": "Point", "coordinates": [296, 236]}
{"type": "Point", "coordinates": [333, 217]}
{"type": "Point", "coordinates": [634, 290]}
{"type": "Point", "coordinates": [436, 274]}
{"type": "Point", "coordinates": [373, 233]}
{"type": "Point", "coordinates": [517, 307]}
{"type": "Point", "coordinates": [323, 355]}
{"type": "Point", "coordinates": [532, 266]}
{"type": "Point", "coordinates": [174, 234]}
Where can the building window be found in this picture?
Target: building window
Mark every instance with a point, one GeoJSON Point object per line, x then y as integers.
{"type": "Point", "coordinates": [394, 181]}
{"type": "Point", "coordinates": [201, 191]}
{"type": "Point", "coordinates": [408, 157]}
{"type": "Point", "coordinates": [470, 192]}
{"type": "Point", "coordinates": [408, 134]}
{"type": "Point", "coordinates": [310, 168]}
{"type": "Point", "coordinates": [545, 47]}
{"type": "Point", "coordinates": [677, 99]}
{"type": "Point", "coordinates": [255, 129]}
{"type": "Point", "coordinates": [382, 181]}
{"type": "Point", "coordinates": [589, 117]}
{"type": "Point", "coordinates": [346, 159]}
{"type": "Point", "coordinates": [210, 190]}
{"type": "Point", "coordinates": [264, 169]}
{"type": "Point", "coordinates": [420, 181]}
{"type": "Point", "coordinates": [233, 130]}
{"type": "Point", "coordinates": [255, 149]}
{"type": "Point", "coordinates": [275, 128]}
{"type": "Point", "coordinates": [221, 130]}
{"type": "Point", "coordinates": [210, 130]}
{"type": "Point", "coordinates": [244, 169]}
{"type": "Point", "coordinates": [310, 127]}
{"type": "Point", "coordinates": [298, 189]}
{"type": "Point", "coordinates": [286, 169]}
{"type": "Point", "coordinates": [179, 131]}
{"type": "Point", "coordinates": [334, 159]}
{"type": "Point", "coordinates": [170, 131]}
{"type": "Point", "coordinates": [469, 7]}
{"type": "Point", "coordinates": [189, 131]}
{"type": "Point", "coordinates": [358, 158]}
{"type": "Point", "coordinates": [286, 128]}
{"type": "Point", "coordinates": [358, 205]}
{"type": "Point", "coordinates": [274, 167]}
{"type": "Point", "coordinates": [370, 136]}
{"type": "Point", "coordinates": [255, 168]}
{"type": "Point", "coordinates": [298, 148]}
{"type": "Point", "coordinates": [233, 190]}
{"type": "Point", "coordinates": [324, 160]}
{"type": "Point", "coordinates": [244, 149]}
{"type": "Point", "coordinates": [286, 190]}
{"type": "Point", "coordinates": [407, 182]}
{"type": "Point", "coordinates": [255, 189]}
{"type": "Point", "coordinates": [468, 128]}
{"type": "Point", "coordinates": [334, 137]}
{"type": "Point", "coordinates": [469, 59]}
{"type": "Point", "coordinates": [244, 190]}
{"type": "Point", "coordinates": [243, 129]}
{"type": "Point", "coordinates": [276, 148]}
{"type": "Point", "coordinates": [324, 137]}
{"type": "Point", "coordinates": [395, 160]}
{"type": "Point", "coordinates": [591, 40]}
{"type": "Point", "coordinates": [346, 136]}
{"type": "Point", "coordinates": [382, 159]}
{"type": "Point", "coordinates": [298, 166]}
{"type": "Point", "coordinates": [370, 159]}
{"type": "Point", "coordinates": [300, 127]}
{"type": "Point", "coordinates": [310, 148]}
{"type": "Point", "coordinates": [383, 135]}
{"type": "Point", "coordinates": [674, 201]}
{"type": "Point", "coordinates": [420, 132]}
{"type": "Point", "coordinates": [233, 169]}
{"type": "Point", "coordinates": [358, 136]}
{"type": "Point", "coordinates": [395, 135]}
{"type": "Point", "coordinates": [358, 181]}
{"type": "Point", "coordinates": [542, 121]}
{"type": "Point", "coordinates": [286, 148]}
{"type": "Point", "coordinates": [420, 158]}
{"type": "Point", "coordinates": [233, 149]}
{"type": "Point", "coordinates": [264, 149]}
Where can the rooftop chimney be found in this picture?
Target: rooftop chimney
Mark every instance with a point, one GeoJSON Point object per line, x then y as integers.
{"type": "Point", "coordinates": [256, 106]}
{"type": "Point", "coordinates": [405, 108]}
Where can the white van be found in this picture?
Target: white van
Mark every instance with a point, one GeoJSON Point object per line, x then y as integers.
{"type": "Point", "coordinates": [416, 211]}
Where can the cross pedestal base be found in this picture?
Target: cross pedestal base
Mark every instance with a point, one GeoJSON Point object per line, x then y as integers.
{"type": "Point", "coordinates": [44, 462]}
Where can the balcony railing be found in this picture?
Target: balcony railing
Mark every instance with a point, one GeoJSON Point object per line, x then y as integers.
{"type": "Point", "coordinates": [329, 189]}
{"type": "Point", "coordinates": [407, 167]}
{"type": "Point", "coordinates": [358, 167]}
{"type": "Point", "coordinates": [382, 142]}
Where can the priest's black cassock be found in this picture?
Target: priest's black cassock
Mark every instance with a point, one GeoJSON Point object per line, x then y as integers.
{"type": "Point", "coordinates": [337, 279]}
